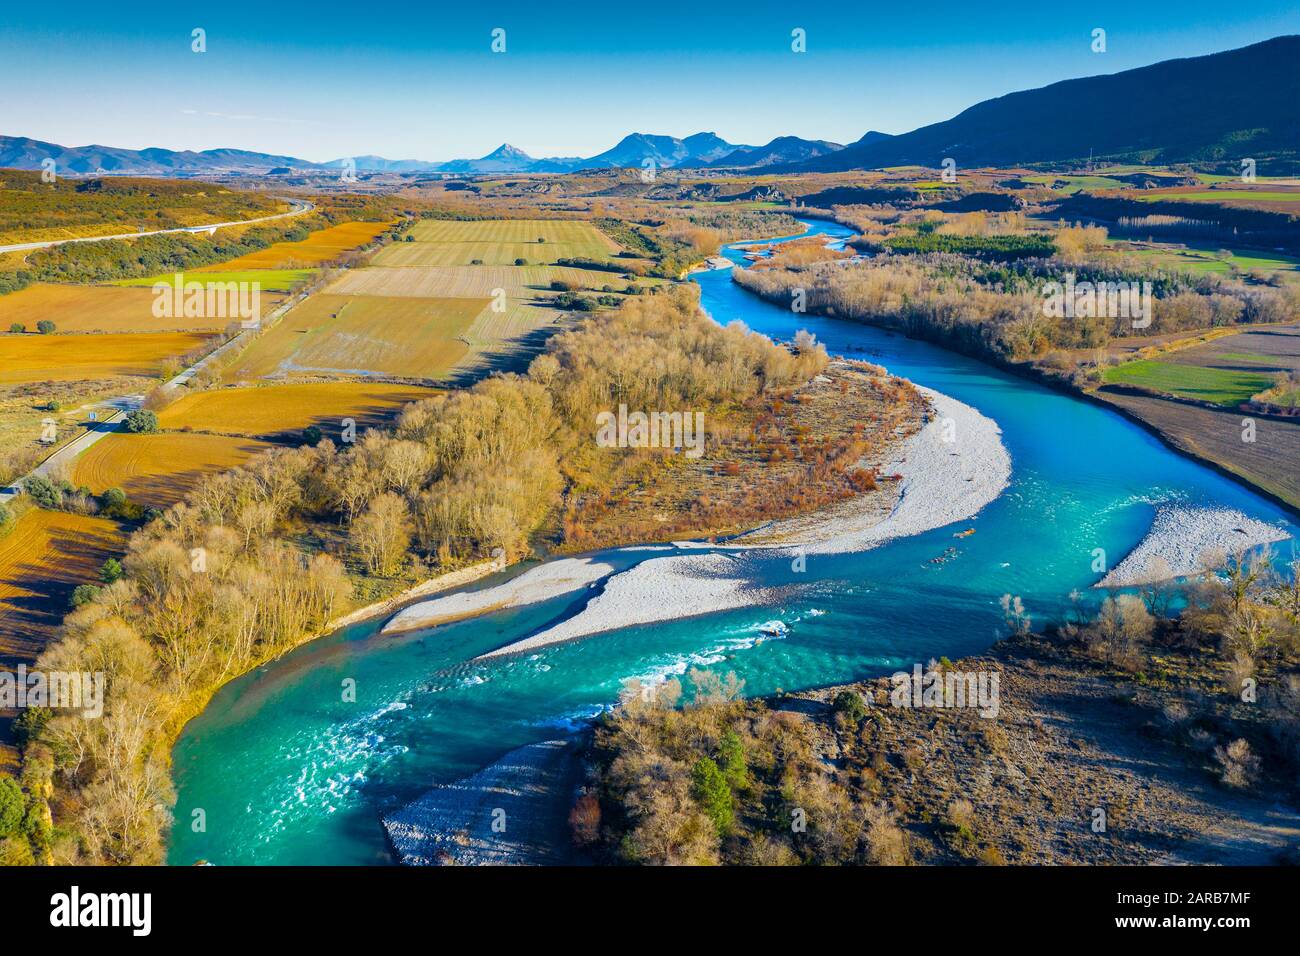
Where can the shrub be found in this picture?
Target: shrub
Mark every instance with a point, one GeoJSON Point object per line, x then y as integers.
{"type": "Point", "coordinates": [17, 327]}
{"type": "Point", "coordinates": [12, 805]}
{"type": "Point", "coordinates": [851, 705]}
{"type": "Point", "coordinates": [43, 491]}
{"type": "Point", "coordinates": [1238, 765]}
{"type": "Point", "coordinates": [709, 787]}
{"type": "Point", "coordinates": [521, 261]}
{"type": "Point", "coordinates": [84, 594]}
{"type": "Point", "coordinates": [113, 499]}
{"type": "Point", "coordinates": [142, 421]}
{"type": "Point", "coordinates": [311, 435]}
{"type": "Point", "coordinates": [45, 326]}
{"type": "Point", "coordinates": [111, 571]}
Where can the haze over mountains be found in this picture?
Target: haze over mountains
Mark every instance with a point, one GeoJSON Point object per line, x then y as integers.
{"type": "Point", "coordinates": [1239, 103]}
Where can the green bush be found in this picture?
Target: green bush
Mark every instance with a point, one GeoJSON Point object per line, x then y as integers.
{"type": "Point", "coordinates": [84, 594]}
{"type": "Point", "coordinates": [851, 705]}
{"type": "Point", "coordinates": [312, 435]}
{"type": "Point", "coordinates": [710, 788]}
{"type": "Point", "coordinates": [13, 804]}
{"type": "Point", "coordinates": [142, 421]}
{"type": "Point", "coordinates": [45, 326]}
{"type": "Point", "coordinates": [113, 499]}
{"type": "Point", "coordinates": [17, 327]}
{"type": "Point", "coordinates": [111, 571]}
{"type": "Point", "coordinates": [44, 492]}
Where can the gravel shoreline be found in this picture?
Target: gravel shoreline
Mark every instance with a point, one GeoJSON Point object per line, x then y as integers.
{"type": "Point", "coordinates": [950, 470]}
{"type": "Point", "coordinates": [1182, 538]}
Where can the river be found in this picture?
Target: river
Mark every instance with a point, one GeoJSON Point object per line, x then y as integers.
{"type": "Point", "coordinates": [287, 772]}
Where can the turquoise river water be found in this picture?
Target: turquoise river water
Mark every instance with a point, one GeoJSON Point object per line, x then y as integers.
{"type": "Point", "coordinates": [289, 773]}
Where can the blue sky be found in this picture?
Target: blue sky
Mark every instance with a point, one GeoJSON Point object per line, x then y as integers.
{"type": "Point", "coordinates": [329, 79]}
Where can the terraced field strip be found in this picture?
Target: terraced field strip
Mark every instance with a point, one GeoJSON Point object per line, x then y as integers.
{"type": "Point", "coordinates": [63, 358]}
{"type": "Point", "coordinates": [405, 337]}
{"type": "Point", "coordinates": [467, 281]}
{"type": "Point", "coordinates": [42, 559]}
{"type": "Point", "coordinates": [95, 308]}
{"type": "Point", "coordinates": [158, 470]}
{"type": "Point", "coordinates": [321, 246]}
{"type": "Point", "coordinates": [268, 280]}
{"type": "Point", "coordinates": [267, 410]}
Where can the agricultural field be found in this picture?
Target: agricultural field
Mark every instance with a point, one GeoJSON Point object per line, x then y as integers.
{"type": "Point", "coordinates": [367, 335]}
{"type": "Point", "coordinates": [469, 281]}
{"type": "Point", "coordinates": [1223, 386]}
{"type": "Point", "coordinates": [269, 280]}
{"type": "Point", "coordinates": [43, 557]}
{"type": "Point", "coordinates": [1275, 196]}
{"type": "Point", "coordinates": [1189, 257]}
{"type": "Point", "coordinates": [497, 243]}
{"type": "Point", "coordinates": [321, 246]}
{"type": "Point", "coordinates": [81, 308]}
{"type": "Point", "coordinates": [158, 470]}
{"type": "Point", "coordinates": [1252, 356]}
{"type": "Point", "coordinates": [267, 411]}
{"type": "Point", "coordinates": [61, 358]}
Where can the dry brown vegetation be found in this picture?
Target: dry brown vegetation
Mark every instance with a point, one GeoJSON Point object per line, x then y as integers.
{"type": "Point", "coordinates": [261, 558]}
{"type": "Point", "coordinates": [1179, 736]}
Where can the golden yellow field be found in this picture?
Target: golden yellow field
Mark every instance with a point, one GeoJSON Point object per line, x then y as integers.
{"type": "Point", "coordinates": [266, 410]}
{"type": "Point", "coordinates": [320, 246]}
{"type": "Point", "coordinates": [66, 358]}
{"type": "Point", "coordinates": [403, 337]}
{"type": "Point", "coordinates": [158, 470]}
{"type": "Point", "coordinates": [98, 308]}
{"type": "Point", "coordinates": [45, 556]}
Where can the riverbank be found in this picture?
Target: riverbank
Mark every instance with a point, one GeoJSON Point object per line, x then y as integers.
{"type": "Point", "coordinates": [1184, 541]}
{"type": "Point", "coordinates": [947, 472]}
{"type": "Point", "coordinates": [1081, 766]}
{"type": "Point", "coordinates": [1213, 439]}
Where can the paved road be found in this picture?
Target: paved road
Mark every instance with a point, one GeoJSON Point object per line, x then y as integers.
{"type": "Point", "coordinates": [300, 206]}
{"type": "Point", "coordinates": [68, 453]}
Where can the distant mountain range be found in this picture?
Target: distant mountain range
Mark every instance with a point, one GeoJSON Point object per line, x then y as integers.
{"type": "Point", "coordinates": [22, 153]}
{"type": "Point", "coordinates": [1225, 106]}
{"type": "Point", "coordinates": [633, 150]}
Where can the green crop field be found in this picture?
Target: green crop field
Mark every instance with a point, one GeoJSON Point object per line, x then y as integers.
{"type": "Point", "coordinates": [1225, 387]}
{"type": "Point", "coordinates": [1219, 195]}
{"type": "Point", "coordinates": [271, 280]}
{"type": "Point", "coordinates": [1206, 259]}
